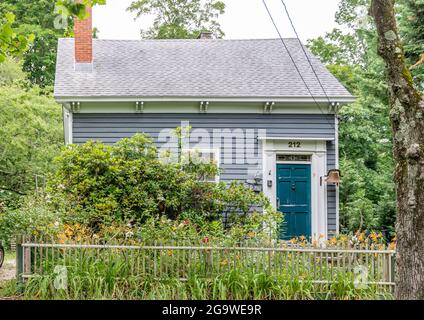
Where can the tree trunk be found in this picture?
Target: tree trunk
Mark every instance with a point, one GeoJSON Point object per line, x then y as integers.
{"type": "Point", "coordinates": [407, 117]}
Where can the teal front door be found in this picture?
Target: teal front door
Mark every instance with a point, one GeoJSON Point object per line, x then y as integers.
{"type": "Point", "coordinates": [294, 199]}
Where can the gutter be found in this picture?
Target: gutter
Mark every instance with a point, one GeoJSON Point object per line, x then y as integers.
{"type": "Point", "coordinates": [342, 100]}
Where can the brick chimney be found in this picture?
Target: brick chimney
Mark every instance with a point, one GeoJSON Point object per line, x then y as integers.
{"type": "Point", "coordinates": [83, 30]}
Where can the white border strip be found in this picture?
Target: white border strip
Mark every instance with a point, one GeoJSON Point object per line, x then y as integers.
{"type": "Point", "coordinates": [63, 99]}
{"type": "Point", "coordinates": [298, 138]}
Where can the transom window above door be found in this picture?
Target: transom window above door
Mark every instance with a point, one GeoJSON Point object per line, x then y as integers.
{"type": "Point", "coordinates": [293, 157]}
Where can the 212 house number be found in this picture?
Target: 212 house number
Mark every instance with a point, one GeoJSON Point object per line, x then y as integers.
{"type": "Point", "coordinates": [295, 144]}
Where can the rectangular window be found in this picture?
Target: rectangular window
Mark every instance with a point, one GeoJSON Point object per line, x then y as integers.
{"type": "Point", "coordinates": [293, 158]}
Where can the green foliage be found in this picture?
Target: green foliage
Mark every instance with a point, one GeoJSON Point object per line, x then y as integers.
{"type": "Point", "coordinates": [31, 131]}
{"type": "Point", "coordinates": [36, 12]}
{"type": "Point", "coordinates": [11, 72]}
{"type": "Point", "coordinates": [10, 42]}
{"type": "Point", "coordinates": [125, 275]}
{"type": "Point", "coordinates": [257, 226]}
{"type": "Point", "coordinates": [367, 197]}
{"type": "Point", "coordinates": [411, 27]}
{"type": "Point", "coordinates": [127, 181]}
{"type": "Point", "coordinates": [37, 18]}
{"type": "Point", "coordinates": [183, 19]}
{"type": "Point", "coordinates": [8, 289]}
{"type": "Point", "coordinates": [72, 8]}
{"type": "Point", "coordinates": [232, 285]}
{"type": "Point", "coordinates": [30, 218]}
{"type": "Point", "coordinates": [39, 61]}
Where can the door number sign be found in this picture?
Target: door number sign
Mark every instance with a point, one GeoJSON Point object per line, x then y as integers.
{"type": "Point", "coordinates": [295, 144]}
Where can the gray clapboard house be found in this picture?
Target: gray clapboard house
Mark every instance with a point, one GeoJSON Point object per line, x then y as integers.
{"type": "Point", "coordinates": [247, 105]}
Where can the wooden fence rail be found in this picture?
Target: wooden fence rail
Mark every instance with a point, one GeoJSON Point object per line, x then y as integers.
{"type": "Point", "coordinates": [184, 259]}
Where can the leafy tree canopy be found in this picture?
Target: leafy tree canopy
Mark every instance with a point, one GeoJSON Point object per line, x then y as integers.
{"type": "Point", "coordinates": [73, 8]}
{"type": "Point", "coordinates": [350, 52]}
{"type": "Point", "coordinates": [411, 27]}
{"type": "Point", "coordinates": [182, 19]}
{"type": "Point", "coordinates": [11, 72]}
{"type": "Point", "coordinates": [10, 42]}
{"type": "Point", "coordinates": [31, 131]}
{"type": "Point", "coordinates": [37, 18]}
{"type": "Point", "coordinates": [367, 199]}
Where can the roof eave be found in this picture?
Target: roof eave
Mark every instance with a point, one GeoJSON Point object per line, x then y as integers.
{"type": "Point", "coordinates": [333, 99]}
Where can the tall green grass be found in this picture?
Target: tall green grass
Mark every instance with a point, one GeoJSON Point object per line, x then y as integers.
{"type": "Point", "coordinates": [235, 284]}
{"type": "Point", "coordinates": [117, 273]}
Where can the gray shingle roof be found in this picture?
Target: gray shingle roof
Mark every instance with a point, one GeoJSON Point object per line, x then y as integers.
{"type": "Point", "coordinates": [192, 68]}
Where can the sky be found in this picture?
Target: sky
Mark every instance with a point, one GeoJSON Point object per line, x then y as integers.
{"type": "Point", "coordinates": [243, 19]}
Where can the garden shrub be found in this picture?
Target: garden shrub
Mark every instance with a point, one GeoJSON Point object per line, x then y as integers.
{"type": "Point", "coordinates": [103, 186]}
{"type": "Point", "coordinates": [32, 218]}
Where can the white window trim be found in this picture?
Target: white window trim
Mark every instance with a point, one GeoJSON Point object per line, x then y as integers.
{"type": "Point", "coordinates": [336, 125]}
{"type": "Point", "coordinates": [293, 162]}
{"type": "Point", "coordinates": [67, 125]}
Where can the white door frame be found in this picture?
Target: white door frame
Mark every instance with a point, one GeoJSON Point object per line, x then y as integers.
{"type": "Point", "coordinates": [317, 149]}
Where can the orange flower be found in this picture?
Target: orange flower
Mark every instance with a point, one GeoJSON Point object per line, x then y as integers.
{"type": "Point", "coordinates": [375, 236]}
{"type": "Point", "coordinates": [332, 241]}
{"type": "Point", "coordinates": [293, 241]}
{"type": "Point", "coordinates": [251, 234]}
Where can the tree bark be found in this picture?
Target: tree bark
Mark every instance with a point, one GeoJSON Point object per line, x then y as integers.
{"type": "Point", "coordinates": [407, 118]}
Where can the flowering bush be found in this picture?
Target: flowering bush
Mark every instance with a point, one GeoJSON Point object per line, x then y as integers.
{"type": "Point", "coordinates": [357, 240]}
{"type": "Point", "coordinates": [126, 189]}
{"type": "Point", "coordinates": [31, 219]}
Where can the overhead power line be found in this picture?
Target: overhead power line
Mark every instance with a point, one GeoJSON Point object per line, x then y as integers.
{"type": "Point", "coordinates": [304, 51]}
{"type": "Point", "coordinates": [295, 64]}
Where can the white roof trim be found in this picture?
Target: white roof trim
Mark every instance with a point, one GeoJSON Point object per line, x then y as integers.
{"type": "Point", "coordinates": [342, 100]}
{"type": "Point", "coordinates": [298, 138]}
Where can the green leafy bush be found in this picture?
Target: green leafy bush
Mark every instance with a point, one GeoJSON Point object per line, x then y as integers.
{"type": "Point", "coordinates": [102, 185]}
{"type": "Point", "coordinates": [31, 136]}
{"type": "Point", "coordinates": [31, 218]}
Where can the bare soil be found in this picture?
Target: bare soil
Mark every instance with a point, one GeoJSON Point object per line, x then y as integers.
{"type": "Point", "coordinates": [7, 271]}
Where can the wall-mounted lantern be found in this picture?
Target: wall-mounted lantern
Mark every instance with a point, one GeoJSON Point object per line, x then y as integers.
{"type": "Point", "coordinates": [332, 177]}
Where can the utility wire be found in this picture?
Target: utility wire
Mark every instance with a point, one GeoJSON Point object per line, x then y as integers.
{"type": "Point", "coordinates": [294, 62]}
{"type": "Point", "coordinates": [304, 51]}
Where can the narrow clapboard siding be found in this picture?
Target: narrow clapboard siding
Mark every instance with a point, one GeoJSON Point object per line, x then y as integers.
{"type": "Point", "coordinates": [331, 190]}
{"type": "Point", "coordinates": [110, 128]}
